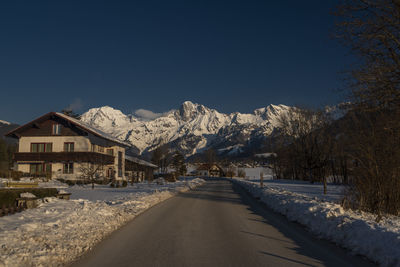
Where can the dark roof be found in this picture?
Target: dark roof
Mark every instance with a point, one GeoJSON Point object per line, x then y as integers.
{"type": "Point", "coordinates": [140, 161]}
{"type": "Point", "coordinates": [207, 166]}
{"type": "Point", "coordinates": [85, 127]}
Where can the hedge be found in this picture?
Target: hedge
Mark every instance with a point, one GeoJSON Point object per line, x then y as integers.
{"type": "Point", "coordinates": [8, 196]}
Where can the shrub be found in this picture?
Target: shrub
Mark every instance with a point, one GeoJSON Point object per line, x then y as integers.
{"type": "Point", "coordinates": [124, 183]}
{"type": "Point", "coordinates": [169, 177]}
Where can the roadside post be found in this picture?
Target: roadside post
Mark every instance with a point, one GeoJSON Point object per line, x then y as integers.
{"type": "Point", "coordinates": [261, 180]}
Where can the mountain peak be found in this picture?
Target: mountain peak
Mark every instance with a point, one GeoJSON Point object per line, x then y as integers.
{"type": "Point", "coordinates": [190, 129]}
{"type": "Point", "coordinates": [5, 122]}
{"type": "Point", "coordinates": [189, 109]}
{"type": "Point", "coordinates": [187, 103]}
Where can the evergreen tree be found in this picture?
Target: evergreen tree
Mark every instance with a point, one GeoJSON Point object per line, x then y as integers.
{"type": "Point", "coordinates": [4, 155]}
{"type": "Point", "coordinates": [178, 162]}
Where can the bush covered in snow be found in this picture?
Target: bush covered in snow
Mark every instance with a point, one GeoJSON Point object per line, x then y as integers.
{"type": "Point", "coordinates": [8, 196]}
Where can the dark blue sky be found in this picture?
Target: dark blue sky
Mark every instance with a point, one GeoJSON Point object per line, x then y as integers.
{"type": "Point", "coordinates": [229, 55]}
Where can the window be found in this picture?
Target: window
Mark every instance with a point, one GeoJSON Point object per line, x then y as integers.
{"type": "Point", "coordinates": [100, 149]}
{"type": "Point", "coordinates": [119, 164]}
{"type": "Point", "coordinates": [69, 147]}
{"type": "Point", "coordinates": [40, 168]}
{"type": "Point", "coordinates": [36, 168]}
{"type": "Point", "coordinates": [56, 129]}
{"type": "Point", "coordinates": [68, 168]}
{"type": "Point", "coordinates": [41, 147]}
{"type": "Point", "coordinates": [110, 152]}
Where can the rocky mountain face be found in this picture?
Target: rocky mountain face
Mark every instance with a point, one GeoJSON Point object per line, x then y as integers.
{"type": "Point", "coordinates": [189, 129]}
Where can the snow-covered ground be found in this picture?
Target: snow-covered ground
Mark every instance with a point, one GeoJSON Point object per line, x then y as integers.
{"type": "Point", "coordinates": [315, 190]}
{"type": "Point", "coordinates": [357, 231]}
{"type": "Point", "coordinates": [253, 173]}
{"type": "Point", "coordinates": [59, 231]}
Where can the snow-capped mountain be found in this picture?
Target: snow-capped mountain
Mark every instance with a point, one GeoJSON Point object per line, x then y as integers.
{"type": "Point", "coordinates": [5, 122]}
{"type": "Point", "coordinates": [190, 129]}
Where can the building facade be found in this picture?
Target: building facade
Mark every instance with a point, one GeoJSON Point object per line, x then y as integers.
{"type": "Point", "coordinates": [63, 147]}
{"type": "Point", "coordinates": [210, 170]}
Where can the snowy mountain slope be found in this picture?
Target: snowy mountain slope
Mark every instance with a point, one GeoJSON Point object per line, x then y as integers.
{"type": "Point", "coordinates": [190, 129]}
{"type": "Point", "coordinates": [4, 122]}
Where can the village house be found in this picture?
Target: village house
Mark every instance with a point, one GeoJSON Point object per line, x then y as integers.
{"type": "Point", "coordinates": [63, 147]}
{"type": "Point", "coordinates": [210, 170]}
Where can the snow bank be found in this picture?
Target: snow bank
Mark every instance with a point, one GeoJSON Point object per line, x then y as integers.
{"type": "Point", "coordinates": [59, 231]}
{"type": "Point", "coordinates": [357, 231]}
{"type": "Point", "coordinates": [27, 195]}
{"type": "Point", "coordinates": [315, 190]}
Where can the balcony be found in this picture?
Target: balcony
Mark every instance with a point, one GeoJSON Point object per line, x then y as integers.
{"type": "Point", "coordinates": [93, 157]}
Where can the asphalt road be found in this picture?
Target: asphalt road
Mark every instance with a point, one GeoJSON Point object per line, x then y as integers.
{"type": "Point", "coordinates": [217, 224]}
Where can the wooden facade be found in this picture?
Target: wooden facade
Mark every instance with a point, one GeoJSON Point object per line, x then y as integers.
{"type": "Point", "coordinates": [43, 126]}
{"type": "Point", "coordinates": [212, 170]}
{"type": "Point", "coordinates": [139, 172]}
{"type": "Point", "coordinates": [91, 157]}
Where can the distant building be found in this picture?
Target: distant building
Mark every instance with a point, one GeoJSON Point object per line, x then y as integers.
{"type": "Point", "coordinates": [62, 146]}
{"type": "Point", "coordinates": [210, 170]}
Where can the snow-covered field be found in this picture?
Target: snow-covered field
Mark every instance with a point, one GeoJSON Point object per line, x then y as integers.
{"type": "Point", "coordinates": [357, 231]}
{"type": "Point", "coordinates": [59, 231]}
{"type": "Point", "coordinates": [334, 192]}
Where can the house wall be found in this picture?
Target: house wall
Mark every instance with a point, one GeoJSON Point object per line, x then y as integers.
{"type": "Point", "coordinates": [57, 170]}
{"type": "Point", "coordinates": [81, 143]}
{"type": "Point", "coordinates": [254, 173]}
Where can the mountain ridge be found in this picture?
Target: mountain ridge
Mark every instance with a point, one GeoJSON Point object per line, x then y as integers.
{"type": "Point", "coordinates": [190, 129]}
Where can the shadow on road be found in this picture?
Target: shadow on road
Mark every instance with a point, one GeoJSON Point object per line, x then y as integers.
{"type": "Point", "coordinates": [208, 192]}
{"type": "Point", "coordinates": [223, 190]}
{"type": "Point", "coordinates": [286, 259]}
{"type": "Point", "coordinates": [304, 240]}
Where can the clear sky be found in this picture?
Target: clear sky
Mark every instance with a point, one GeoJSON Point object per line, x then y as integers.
{"type": "Point", "coordinates": [228, 55]}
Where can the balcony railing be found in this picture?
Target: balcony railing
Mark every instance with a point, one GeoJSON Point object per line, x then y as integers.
{"type": "Point", "coordinates": [93, 157]}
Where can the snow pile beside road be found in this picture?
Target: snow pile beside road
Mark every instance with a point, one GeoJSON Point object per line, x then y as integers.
{"type": "Point", "coordinates": [59, 231]}
{"type": "Point", "coordinates": [357, 231]}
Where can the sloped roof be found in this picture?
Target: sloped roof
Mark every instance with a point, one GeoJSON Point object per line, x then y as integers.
{"type": "Point", "coordinates": [93, 130]}
{"type": "Point", "coordinates": [84, 126]}
{"type": "Point", "coordinates": [140, 161]}
{"type": "Point", "coordinates": [207, 166]}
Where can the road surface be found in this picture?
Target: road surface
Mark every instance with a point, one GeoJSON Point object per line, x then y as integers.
{"type": "Point", "coordinates": [217, 224]}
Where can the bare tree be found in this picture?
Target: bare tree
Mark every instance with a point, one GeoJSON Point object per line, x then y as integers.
{"type": "Point", "coordinates": [91, 172]}
{"type": "Point", "coordinates": [375, 153]}
{"type": "Point", "coordinates": [210, 156]}
{"type": "Point", "coordinates": [372, 30]}
{"type": "Point", "coordinates": [306, 145]}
